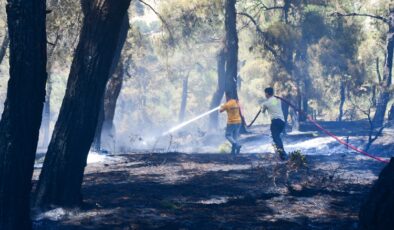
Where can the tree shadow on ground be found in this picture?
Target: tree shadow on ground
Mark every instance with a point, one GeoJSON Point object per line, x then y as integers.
{"type": "Point", "coordinates": [180, 191]}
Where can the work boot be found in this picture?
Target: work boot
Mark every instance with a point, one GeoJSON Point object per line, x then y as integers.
{"type": "Point", "coordinates": [238, 149]}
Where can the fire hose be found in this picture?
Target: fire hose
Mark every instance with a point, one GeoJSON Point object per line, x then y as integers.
{"type": "Point", "coordinates": [310, 119]}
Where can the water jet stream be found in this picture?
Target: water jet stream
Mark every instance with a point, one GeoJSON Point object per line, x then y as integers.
{"type": "Point", "coordinates": [180, 126]}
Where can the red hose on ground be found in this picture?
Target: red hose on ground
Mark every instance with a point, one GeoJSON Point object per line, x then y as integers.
{"type": "Point", "coordinates": [332, 135]}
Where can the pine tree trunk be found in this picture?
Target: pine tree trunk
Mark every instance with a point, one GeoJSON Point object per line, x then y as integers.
{"type": "Point", "coordinates": [342, 99]}
{"type": "Point", "coordinates": [62, 174]}
{"type": "Point", "coordinates": [20, 123]}
{"type": "Point", "coordinates": [231, 49]}
{"type": "Point", "coordinates": [384, 96]}
{"type": "Point", "coordinates": [231, 82]}
{"type": "Point", "coordinates": [4, 46]}
{"type": "Point", "coordinates": [185, 86]}
{"type": "Point", "coordinates": [218, 95]}
{"type": "Point", "coordinates": [113, 89]}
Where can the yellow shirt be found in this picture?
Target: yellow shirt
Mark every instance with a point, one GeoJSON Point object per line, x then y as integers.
{"type": "Point", "coordinates": [233, 113]}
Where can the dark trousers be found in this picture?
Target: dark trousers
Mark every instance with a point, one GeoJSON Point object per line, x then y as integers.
{"type": "Point", "coordinates": [277, 127]}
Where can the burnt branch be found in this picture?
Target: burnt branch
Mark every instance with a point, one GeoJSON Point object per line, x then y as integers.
{"type": "Point", "coordinates": [161, 19]}
{"type": "Point", "coordinates": [267, 8]}
{"type": "Point", "coordinates": [383, 19]}
{"type": "Point", "coordinates": [261, 34]}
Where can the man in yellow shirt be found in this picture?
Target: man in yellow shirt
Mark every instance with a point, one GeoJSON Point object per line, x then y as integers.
{"type": "Point", "coordinates": [234, 122]}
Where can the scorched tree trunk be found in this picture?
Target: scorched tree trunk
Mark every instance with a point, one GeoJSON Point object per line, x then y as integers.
{"type": "Point", "coordinates": [20, 122]}
{"type": "Point", "coordinates": [384, 96]}
{"type": "Point", "coordinates": [62, 174]}
{"type": "Point", "coordinates": [218, 95]}
{"type": "Point", "coordinates": [231, 49]}
{"type": "Point", "coordinates": [114, 85]}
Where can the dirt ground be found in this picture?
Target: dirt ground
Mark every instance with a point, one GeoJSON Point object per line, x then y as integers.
{"type": "Point", "coordinates": [218, 191]}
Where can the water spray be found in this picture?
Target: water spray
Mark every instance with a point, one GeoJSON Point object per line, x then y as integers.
{"type": "Point", "coordinates": [180, 126]}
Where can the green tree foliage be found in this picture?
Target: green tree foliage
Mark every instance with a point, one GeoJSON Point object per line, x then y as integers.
{"type": "Point", "coordinates": [301, 50]}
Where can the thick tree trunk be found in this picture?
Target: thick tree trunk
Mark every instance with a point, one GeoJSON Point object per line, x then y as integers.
{"type": "Point", "coordinates": [231, 49]}
{"type": "Point", "coordinates": [4, 46]}
{"type": "Point", "coordinates": [20, 123]}
{"type": "Point", "coordinates": [62, 174]}
{"type": "Point", "coordinates": [231, 81]}
{"type": "Point", "coordinates": [384, 96]}
{"type": "Point", "coordinates": [218, 95]}
{"type": "Point", "coordinates": [185, 86]}
{"type": "Point", "coordinates": [113, 89]}
{"type": "Point", "coordinates": [342, 100]}
{"type": "Point", "coordinates": [378, 211]}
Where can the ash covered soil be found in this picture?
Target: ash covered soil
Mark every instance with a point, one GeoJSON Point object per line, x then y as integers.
{"type": "Point", "coordinates": [217, 191]}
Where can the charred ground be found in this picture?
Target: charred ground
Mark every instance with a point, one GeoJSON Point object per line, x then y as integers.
{"type": "Point", "coordinates": [217, 191]}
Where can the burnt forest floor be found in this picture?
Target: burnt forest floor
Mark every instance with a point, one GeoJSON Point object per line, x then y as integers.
{"type": "Point", "coordinates": [218, 191]}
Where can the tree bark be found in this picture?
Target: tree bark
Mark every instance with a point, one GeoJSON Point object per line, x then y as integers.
{"type": "Point", "coordinates": [62, 174]}
{"type": "Point", "coordinates": [384, 96]}
{"type": "Point", "coordinates": [378, 211]}
{"type": "Point", "coordinates": [107, 111]}
{"type": "Point", "coordinates": [185, 86]}
{"type": "Point", "coordinates": [231, 76]}
{"type": "Point", "coordinates": [342, 99]}
{"type": "Point", "coordinates": [231, 49]}
{"type": "Point", "coordinates": [114, 87]}
{"type": "Point", "coordinates": [20, 123]}
{"type": "Point", "coordinates": [218, 95]}
{"type": "Point", "coordinates": [4, 46]}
